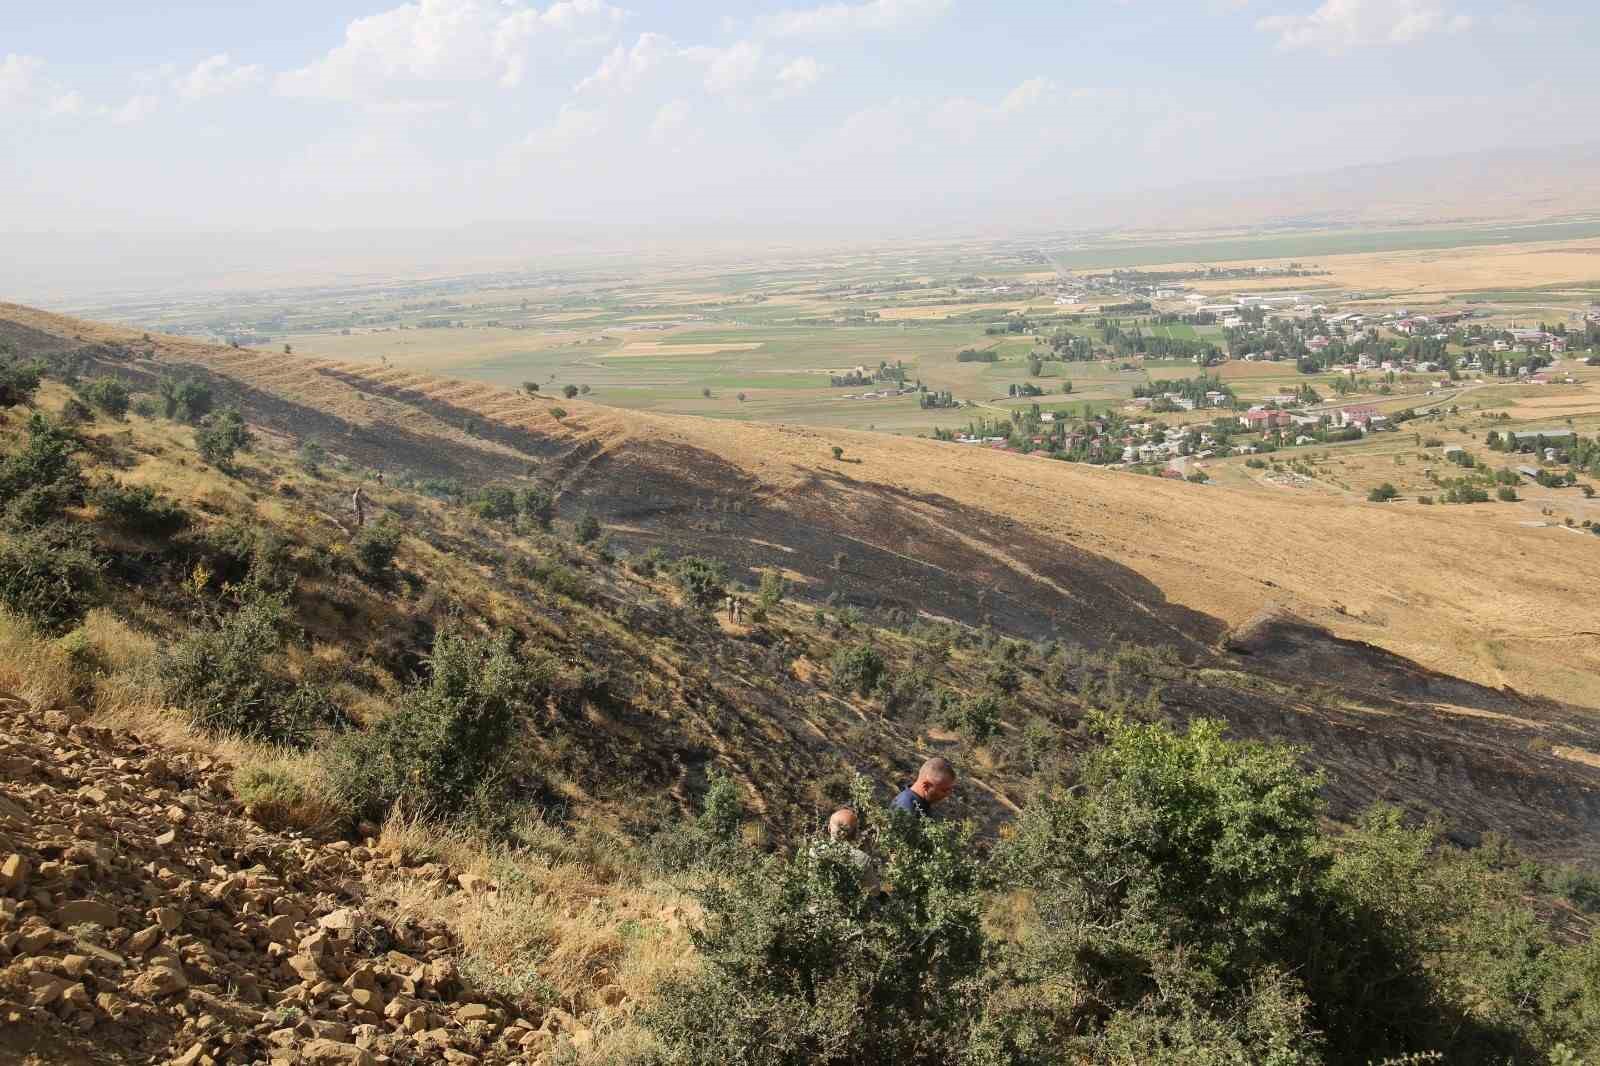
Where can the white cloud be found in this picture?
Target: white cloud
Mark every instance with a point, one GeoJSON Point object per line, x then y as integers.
{"type": "Point", "coordinates": [136, 109]}
{"type": "Point", "coordinates": [572, 126]}
{"type": "Point", "coordinates": [624, 68]}
{"type": "Point", "coordinates": [512, 37]}
{"type": "Point", "coordinates": [669, 119]}
{"type": "Point", "coordinates": [730, 69]}
{"type": "Point", "coordinates": [1339, 25]}
{"type": "Point", "coordinates": [965, 118]}
{"type": "Point", "coordinates": [798, 75]}
{"type": "Point", "coordinates": [18, 74]}
{"type": "Point", "coordinates": [440, 41]}
{"type": "Point", "coordinates": [67, 103]}
{"type": "Point", "coordinates": [216, 75]}
{"type": "Point", "coordinates": [875, 16]}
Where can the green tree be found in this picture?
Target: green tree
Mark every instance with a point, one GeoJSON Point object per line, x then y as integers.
{"type": "Point", "coordinates": [587, 529]}
{"type": "Point", "coordinates": [222, 436]}
{"type": "Point", "coordinates": [858, 668]}
{"type": "Point", "coordinates": [18, 382]}
{"type": "Point", "coordinates": [569, 391]}
{"type": "Point", "coordinates": [185, 399]}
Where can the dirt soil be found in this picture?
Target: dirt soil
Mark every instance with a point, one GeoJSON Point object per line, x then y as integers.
{"type": "Point", "coordinates": [144, 918]}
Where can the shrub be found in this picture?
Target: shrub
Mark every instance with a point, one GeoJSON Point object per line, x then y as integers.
{"type": "Point", "coordinates": [76, 412]}
{"type": "Point", "coordinates": [587, 529]}
{"type": "Point", "coordinates": [772, 589]}
{"type": "Point", "coordinates": [1506, 493]}
{"type": "Point", "coordinates": [311, 457]}
{"type": "Point", "coordinates": [977, 717]}
{"type": "Point", "coordinates": [374, 547]}
{"type": "Point", "coordinates": [558, 413]}
{"type": "Point", "coordinates": [495, 502]}
{"type": "Point", "coordinates": [221, 436]}
{"type": "Point", "coordinates": [138, 509]}
{"type": "Point", "coordinates": [106, 394]}
{"type": "Point", "coordinates": [569, 391]}
{"type": "Point", "coordinates": [530, 387]}
{"type": "Point", "coordinates": [538, 505]}
{"type": "Point", "coordinates": [806, 963]}
{"type": "Point", "coordinates": [1383, 493]}
{"type": "Point", "coordinates": [838, 452]}
{"type": "Point", "coordinates": [220, 673]}
{"type": "Point", "coordinates": [42, 478]}
{"type": "Point", "coordinates": [447, 746]}
{"type": "Point", "coordinates": [857, 668]}
{"type": "Point", "coordinates": [49, 575]}
{"type": "Point", "coordinates": [241, 553]}
{"type": "Point", "coordinates": [649, 563]}
{"type": "Point", "coordinates": [185, 399]}
{"type": "Point", "coordinates": [703, 580]}
{"type": "Point", "coordinates": [18, 382]}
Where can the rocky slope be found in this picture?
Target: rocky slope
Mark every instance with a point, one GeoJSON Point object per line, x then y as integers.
{"type": "Point", "coordinates": [143, 918]}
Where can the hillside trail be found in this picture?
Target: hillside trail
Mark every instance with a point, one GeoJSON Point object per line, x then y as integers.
{"type": "Point", "coordinates": [145, 918]}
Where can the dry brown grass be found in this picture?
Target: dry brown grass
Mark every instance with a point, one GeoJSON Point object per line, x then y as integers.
{"type": "Point", "coordinates": [569, 923]}
{"type": "Point", "coordinates": [1436, 271]}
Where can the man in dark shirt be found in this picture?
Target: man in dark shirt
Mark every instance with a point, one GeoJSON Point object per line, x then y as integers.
{"type": "Point", "coordinates": [935, 780]}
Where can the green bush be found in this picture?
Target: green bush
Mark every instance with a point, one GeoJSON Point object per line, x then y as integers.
{"type": "Point", "coordinates": [375, 547]}
{"type": "Point", "coordinates": [37, 482]}
{"type": "Point", "coordinates": [105, 394]}
{"type": "Point", "coordinates": [703, 580]}
{"type": "Point", "coordinates": [138, 509]}
{"type": "Point", "coordinates": [805, 962]}
{"type": "Point", "coordinates": [311, 457]}
{"type": "Point", "coordinates": [18, 382]}
{"type": "Point", "coordinates": [185, 399]}
{"type": "Point", "coordinates": [1383, 493]}
{"type": "Point", "coordinates": [538, 505]}
{"type": "Point", "coordinates": [447, 748]}
{"type": "Point", "coordinates": [495, 503]}
{"type": "Point", "coordinates": [976, 717]}
{"type": "Point", "coordinates": [242, 553]}
{"type": "Point", "coordinates": [587, 529]}
{"type": "Point", "coordinates": [1506, 493]}
{"type": "Point", "coordinates": [857, 668]}
{"type": "Point", "coordinates": [49, 574]}
{"type": "Point", "coordinates": [221, 436]}
{"type": "Point", "coordinates": [772, 590]}
{"type": "Point", "coordinates": [221, 673]}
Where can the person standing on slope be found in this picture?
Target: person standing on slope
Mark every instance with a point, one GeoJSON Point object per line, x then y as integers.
{"type": "Point", "coordinates": [935, 781]}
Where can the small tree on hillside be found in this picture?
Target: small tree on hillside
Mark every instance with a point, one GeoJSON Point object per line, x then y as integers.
{"type": "Point", "coordinates": [838, 452]}
{"type": "Point", "coordinates": [569, 391]}
{"type": "Point", "coordinates": [18, 383]}
{"type": "Point", "coordinates": [221, 436]}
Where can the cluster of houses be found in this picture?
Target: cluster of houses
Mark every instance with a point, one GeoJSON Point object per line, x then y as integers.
{"type": "Point", "coordinates": [1181, 402]}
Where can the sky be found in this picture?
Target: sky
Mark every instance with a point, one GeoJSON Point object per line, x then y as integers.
{"type": "Point", "coordinates": [195, 116]}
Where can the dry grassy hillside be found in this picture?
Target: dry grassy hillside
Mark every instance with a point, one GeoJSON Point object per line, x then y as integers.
{"type": "Point", "coordinates": [1459, 591]}
{"type": "Point", "coordinates": [1441, 657]}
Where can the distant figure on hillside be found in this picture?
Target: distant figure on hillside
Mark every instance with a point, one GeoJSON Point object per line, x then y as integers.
{"type": "Point", "coordinates": [730, 605]}
{"type": "Point", "coordinates": [359, 502]}
{"type": "Point", "coordinates": [738, 609]}
{"type": "Point", "coordinates": [935, 780]}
